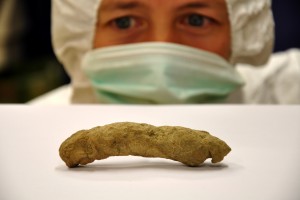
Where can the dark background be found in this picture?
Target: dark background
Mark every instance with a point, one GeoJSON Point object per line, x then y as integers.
{"type": "Point", "coordinates": [287, 21]}
{"type": "Point", "coordinates": [37, 71]}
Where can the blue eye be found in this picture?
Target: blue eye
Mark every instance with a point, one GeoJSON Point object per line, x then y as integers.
{"type": "Point", "coordinates": [123, 22]}
{"type": "Point", "coordinates": [196, 20]}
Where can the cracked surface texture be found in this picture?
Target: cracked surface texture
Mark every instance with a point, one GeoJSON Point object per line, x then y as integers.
{"type": "Point", "coordinates": [188, 146]}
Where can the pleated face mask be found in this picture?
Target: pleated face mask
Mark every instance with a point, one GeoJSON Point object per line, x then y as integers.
{"type": "Point", "coordinates": [159, 73]}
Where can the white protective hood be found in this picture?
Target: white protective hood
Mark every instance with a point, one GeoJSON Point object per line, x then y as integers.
{"type": "Point", "coordinates": [74, 23]}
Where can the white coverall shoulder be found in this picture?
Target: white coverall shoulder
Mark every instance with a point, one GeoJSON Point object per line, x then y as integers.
{"type": "Point", "coordinates": [277, 82]}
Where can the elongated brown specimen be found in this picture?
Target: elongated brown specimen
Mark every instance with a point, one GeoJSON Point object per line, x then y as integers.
{"type": "Point", "coordinates": [190, 147]}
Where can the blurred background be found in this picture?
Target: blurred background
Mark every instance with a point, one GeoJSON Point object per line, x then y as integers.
{"type": "Point", "coordinates": [28, 67]}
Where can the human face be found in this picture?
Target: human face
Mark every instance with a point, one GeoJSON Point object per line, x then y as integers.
{"type": "Point", "coordinates": [203, 24]}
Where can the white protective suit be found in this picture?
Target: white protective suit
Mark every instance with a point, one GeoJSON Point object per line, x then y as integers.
{"type": "Point", "coordinates": [252, 30]}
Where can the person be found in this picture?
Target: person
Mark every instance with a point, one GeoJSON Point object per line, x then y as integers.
{"type": "Point", "coordinates": [172, 52]}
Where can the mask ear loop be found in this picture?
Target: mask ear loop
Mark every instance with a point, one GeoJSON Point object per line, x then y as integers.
{"type": "Point", "coordinates": [95, 22]}
{"type": "Point", "coordinates": [232, 33]}
{"type": "Point", "coordinates": [93, 32]}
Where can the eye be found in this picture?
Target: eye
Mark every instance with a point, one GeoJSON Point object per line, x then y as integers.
{"type": "Point", "coordinates": [196, 23]}
{"type": "Point", "coordinates": [124, 22]}
{"type": "Point", "coordinates": [196, 20]}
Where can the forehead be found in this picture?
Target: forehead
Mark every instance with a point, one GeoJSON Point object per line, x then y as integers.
{"type": "Point", "coordinates": [158, 4]}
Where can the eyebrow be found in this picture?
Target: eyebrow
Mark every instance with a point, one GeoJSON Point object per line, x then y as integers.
{"type": "Point", "coordinates": [122, 6]}
{"type": "Point", "coordinates": [193, 5]}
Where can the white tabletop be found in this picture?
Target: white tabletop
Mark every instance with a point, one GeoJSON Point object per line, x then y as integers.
{"type": "Point", "coordinates": [264, 162]}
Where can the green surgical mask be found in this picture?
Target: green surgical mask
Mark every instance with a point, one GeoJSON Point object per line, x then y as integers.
{"type": "Point", "coordinates": [159, 73]}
